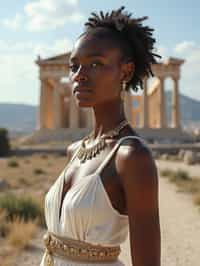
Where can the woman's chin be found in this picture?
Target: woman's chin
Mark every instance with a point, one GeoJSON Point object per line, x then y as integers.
{"type": "Point", "coordinates": [82, 103]}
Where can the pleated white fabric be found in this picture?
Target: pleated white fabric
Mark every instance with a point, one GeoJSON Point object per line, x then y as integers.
{"type": "Point", "coordinates": [86, 213]}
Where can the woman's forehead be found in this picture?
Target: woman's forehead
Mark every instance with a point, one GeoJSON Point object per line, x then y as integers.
{"type": "Point", "coordinates": [93, 45]}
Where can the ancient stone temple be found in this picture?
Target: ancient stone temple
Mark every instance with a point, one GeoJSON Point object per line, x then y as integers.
{"type": "Point", "coordinates": [145, 112]}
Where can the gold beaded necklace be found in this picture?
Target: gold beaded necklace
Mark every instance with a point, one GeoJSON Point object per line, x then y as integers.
{"type": "Point", "coordinates": [87, 153]}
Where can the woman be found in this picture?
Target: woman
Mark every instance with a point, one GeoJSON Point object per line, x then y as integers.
{"type": "Point", "coordinates": [110, 185]}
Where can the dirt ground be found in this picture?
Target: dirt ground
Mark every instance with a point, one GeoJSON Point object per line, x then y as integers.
{"type": "Point", "coordinates": [179, 219]}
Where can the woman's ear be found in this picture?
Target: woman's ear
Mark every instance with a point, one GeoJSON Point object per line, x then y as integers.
{"type": "Point", "coordinates": [128, 70]}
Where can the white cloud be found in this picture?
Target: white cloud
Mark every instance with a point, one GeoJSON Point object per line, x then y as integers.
{"type": "Point", "coordinates": [33, 49]}
{"type": "Point", "coordinates": [19, 73]}
{"type": "Point", "coordinates": [43, 15]}
{"type": "Point", "coordinates": [162, 51]}
{"type": "Point", "coordinates": [50, 14]}
{"type": "Point", "coordinates": [190, 78]}
{"type": "Point", "coordinates": [58, 47]}
{"type": "Point", "coordinates": [13, 23]}
{"type": "Point", "coordinates": [184, 47]}
{"type": "Point", "coordinates": [189, 51]}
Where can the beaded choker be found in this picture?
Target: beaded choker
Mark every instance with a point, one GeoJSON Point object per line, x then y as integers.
{"type": "Point", "coordinates": [87, 153]}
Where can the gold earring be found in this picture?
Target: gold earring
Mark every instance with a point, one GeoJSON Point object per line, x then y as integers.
{"type": "Point", "coordinates": [123, 90]}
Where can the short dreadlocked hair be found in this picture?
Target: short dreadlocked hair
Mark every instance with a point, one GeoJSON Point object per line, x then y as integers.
{"type": "Point", "coordinates": [135, 40]}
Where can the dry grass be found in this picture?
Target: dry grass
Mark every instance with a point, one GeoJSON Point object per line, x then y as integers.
{"type": "Point", "coordinates": [34, 174]}
{"type": "Point", "coordinates": [3, 223]}
{"type": "Point", "coordinates": [8, 256]}
{"type": "Point", "coordinates": [184, 182]}
{"type": "Point", "coordinates": [21, 233]}
{"type": "Point", "coordinates": [25, 180]}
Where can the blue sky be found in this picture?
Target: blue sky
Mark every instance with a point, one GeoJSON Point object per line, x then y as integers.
{"type": "Point", "coordinates": [49, 27]}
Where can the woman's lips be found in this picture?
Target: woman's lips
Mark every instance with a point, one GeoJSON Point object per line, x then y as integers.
{"type": "Point", "coordinates": [81, 90]}
{"type": "Point", "coordinates": [82, 94]}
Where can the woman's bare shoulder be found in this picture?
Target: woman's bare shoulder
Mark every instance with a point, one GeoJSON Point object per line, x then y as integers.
{"type": "Point", "coordinates": [133, 155]}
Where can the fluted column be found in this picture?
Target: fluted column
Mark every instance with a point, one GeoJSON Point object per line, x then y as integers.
{"type": "Point", "coordinates": [128, 105]}
{"type": "Point", "coordinates": [57, 119]}
{"type": "Point", "coordinates": [42, 106]}
{"type": "Point", "coordinates": [162, 107]}
{"type": "Point", "coordinates": [175, 104]}
{"type": "Point", "coordinates": [145, 114]}
{"type": "Point", "coordinates": [73, 114]}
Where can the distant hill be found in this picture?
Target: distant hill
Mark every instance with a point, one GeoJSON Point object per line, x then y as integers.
{"type": "Point", "coordinates": [189, 108]}
{"type": "Point", "coordinates": [22, 118]}
{"type": "Point", "coordinates": [18, 118]}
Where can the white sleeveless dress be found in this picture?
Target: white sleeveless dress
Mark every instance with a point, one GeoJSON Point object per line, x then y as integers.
{"type": "Point", "coordinates": [86, 214]}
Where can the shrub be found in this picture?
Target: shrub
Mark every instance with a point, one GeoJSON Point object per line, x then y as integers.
{"type": "Point", "coordinates": [4, 142]}
{"type": "Point", "coordinates": [13, 163]}
{"type": "Point", "coordinates": [181, 175]}
{"type": "Point", "coordinates": [3, 223]}
{"type": "Point", "coordinates": [44, 156]}
{"type": "Point", "coordinates": [24, 181]}
{"type": "Point", "coordinates": [39, 171]}
{"type": "Point", "coordinates": [176, 175]}
{"type": "Point", "coordinates": [166, 172]}
{"type": "Point", "coordinates": [23, 207]}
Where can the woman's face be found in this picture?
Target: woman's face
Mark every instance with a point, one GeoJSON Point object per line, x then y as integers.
{"type": "Point", "coordinates": [95, 70]}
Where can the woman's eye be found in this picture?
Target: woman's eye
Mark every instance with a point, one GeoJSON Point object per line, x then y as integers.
{"type": "Point", "coordinates": [95, 64]}
{"type": "Point", "coordinates": [73, 68]}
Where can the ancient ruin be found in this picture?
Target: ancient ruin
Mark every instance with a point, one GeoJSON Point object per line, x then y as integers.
{"type": "Point", "coordinates": [146, 112]}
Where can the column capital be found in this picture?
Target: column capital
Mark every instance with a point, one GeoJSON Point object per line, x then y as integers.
{"type": "Point", "coordinates": [161, 77]}
{"type": "Point", "coordinates": [43, 79]}
{"type": "Point", "coordinates": [175, 78]}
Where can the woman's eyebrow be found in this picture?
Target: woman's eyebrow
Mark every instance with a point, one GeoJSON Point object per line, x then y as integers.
{"type": "Point", "coordinates": [96, 55]}
{"type": "Point", "coordinates": [74, 58]}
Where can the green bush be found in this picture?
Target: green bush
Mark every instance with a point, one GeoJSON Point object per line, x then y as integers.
{"type": "Point", "coordinates": [179, 175]}
{"type": "Point", "coordinates": [22, 207]}
{"type": "Point", "coordinates": [39, 171]}
{"type": "Point", "coordinates": [166, 172]}
{"type": "Point", "coordinates": [4, 142]}
{"type": "Point", "coordinates": [13, 163]}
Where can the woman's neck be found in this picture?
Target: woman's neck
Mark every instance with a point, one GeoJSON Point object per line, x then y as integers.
{"type": "Point", "coordinates": [107, 117]}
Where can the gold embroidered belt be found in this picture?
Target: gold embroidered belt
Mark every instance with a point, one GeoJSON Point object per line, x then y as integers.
{"type": "Point", "coordinates": [77, 250]}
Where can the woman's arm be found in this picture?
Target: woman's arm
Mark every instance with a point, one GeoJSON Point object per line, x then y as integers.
{"type": "Point", "coordinates": [140, 181]}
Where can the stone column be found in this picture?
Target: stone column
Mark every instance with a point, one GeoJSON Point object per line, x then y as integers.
{"type": "Point", "coordinates": [175, 104]}
{"type": "Point", "coordinates": [73, 114]}
{"type": "Point", "coordinates": [57, 119]}
{"type": "Point", "coordinates": [127, 105]}
{"type": "Point", "coordinates": [162, 108]}
{"type": "Point", "coordinates": [145, 109]}
{"type": "Point", "coordinates": [42, 106]}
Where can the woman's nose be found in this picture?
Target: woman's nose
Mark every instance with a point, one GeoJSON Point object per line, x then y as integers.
{"type": "Point", "coordinates": [80, 75]}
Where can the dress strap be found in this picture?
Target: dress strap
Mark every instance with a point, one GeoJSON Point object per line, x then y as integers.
{"type": "Point", "coordinates": [72, 158]}
{"type": "Point", "coordinates": [110, 154]}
